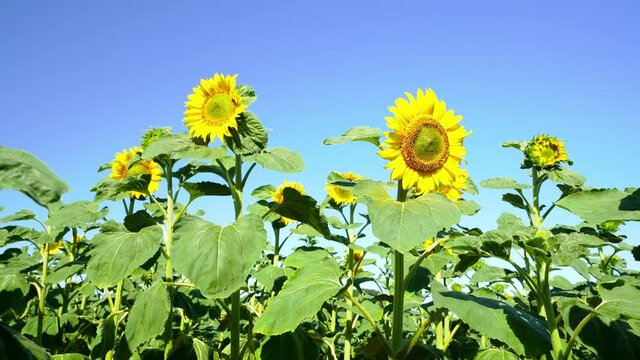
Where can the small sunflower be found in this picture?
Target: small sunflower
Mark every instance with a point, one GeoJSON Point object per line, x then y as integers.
{"type": "Point", "coordinates": [425, 147]}
{"type": "Point", "coordinates": [53, 248]}
{"type": "Point", "coordinates": [341, 195]}
{"type": "Point", "coordinates": [213, 108]}
{"type": "Point", "coordinates": [454, 191]}
{"type": "Point", "coordinates": [278, 196]}
{"type": "Point", "coordinates": [120, 170]}
{"type": "Point", "coordinates": [546, 151]}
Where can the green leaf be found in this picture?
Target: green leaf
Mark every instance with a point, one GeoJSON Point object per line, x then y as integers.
{"type": "Point", "coordinates": [300, 298]}
{"type": "Point", "coordinates": [496, 354]}
{"type": "Point", "coordinates": [76, 214]}
{"type": "Point", "coordinates": [250, 137]}
{"type": "Point", "coordinates": [148, 315]}
{"type": "Point", "coordinates": [69, 356]}
{"type": "Point", "coordinates": [291, 346]}
{"type": "Point", "coordinates": [468, 207]}
{"type": "Point", "coordinates": [566, 176]}
{"type": "Point", "coordinates": [10, 283]}
{"type": "Point", "coordinates": [21, 171]}
{"type": "Point", "coordinates": [515, 200]}
{"type": "Point", "coordinates": [139, 220]}
{"type": "Point", "coordinates": [503, 183]}
{"type": "Point", "coordinates": [488, 274]}
{"type": "Point", "coordinates": [247, 93]}
{"type": "Point", "coordinates": [116, 254]}
{"type": "Point", "coordinates": [263, 192]}
{"type": "Point", "coordinates": [306, 256]}
{"type": "Point", "coordinates": [268, 275]}
{"type": "Point", "coordinates": [19, 347]}
{"type": "Point", "coordinates": [206, 188]}
{"type": "Point", "coordinates": [619, 301]}
{"type": "Point", "coordinates": [21, 215]}
{"type": "Point", "coordinates": [217, 259]}
{"type": "Point", "coordinates": [405, 225]}
{"type": "Point", "coordinates": [279, 159]}
{"type": "Point", "coordinates": [520, 145]}
{"type": "Point", "coordinates": [110, 189]}
{"type": "Point", "coordinates": [599, 205]}
{"type": "Point", "coordinates": [301, 208]}
{"type": "Point", "coordinates": [524, 333]}
{"type": "Point", "coordinates": [359, 133]}
{"type": "Point", "coordinates": [181, 146]}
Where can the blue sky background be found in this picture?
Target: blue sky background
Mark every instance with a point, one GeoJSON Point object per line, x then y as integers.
{"type": "Point", "coordinates": [82, 80]}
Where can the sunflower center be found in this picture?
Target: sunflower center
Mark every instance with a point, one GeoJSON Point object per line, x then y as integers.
{"type": "Point", "coordinates": [218, 109]}
{"type": "Point", "coordinates": [425, 147]}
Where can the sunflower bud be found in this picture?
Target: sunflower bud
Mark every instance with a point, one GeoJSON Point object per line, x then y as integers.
{"type": "Point", "coordinates": [545, 151]}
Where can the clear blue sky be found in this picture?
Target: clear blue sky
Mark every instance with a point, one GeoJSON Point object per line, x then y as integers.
{"type": "Point", "coordinates": [81, 80]}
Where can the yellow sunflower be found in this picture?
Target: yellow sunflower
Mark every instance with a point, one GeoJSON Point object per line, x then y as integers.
{"type": "Point", "coordinates": [278, 196]}
{"type": "Point", "coordinates": [213, 108]}
{"type": "Point", "coordinates": [454, 191]}
{"type": "Point", "coordinates": [546, 151]}
{"type": "Point", "coordinates": [120, 170]}
{"type": "Point", "coordinates": [425, 147]}
{"type": "Point", "coordinates": [341, 195]}
{"type": "Point", "coordinates": [53, 248]}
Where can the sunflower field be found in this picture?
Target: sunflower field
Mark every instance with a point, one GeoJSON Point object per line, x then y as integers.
{"type": "Point", "coordinates": [378, 269]}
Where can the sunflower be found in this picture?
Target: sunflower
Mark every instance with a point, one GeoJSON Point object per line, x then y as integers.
{"type": "Point", "coordinates": [53, 248]}
{"type": "Point", "coordinates": [425, 147]}
{"type": "Point", "coordinates": [546, 151]}
{"type": "Point", "coordinates": [120, 170]}
{"type": "Point", "coordinates": [278, 196]}
{"type": "Point", "coordinates": [341, 195]}
{"type": "Point", "coordinates": [213, 108]}
{"type": "Point", "coordinates": [454, 191]}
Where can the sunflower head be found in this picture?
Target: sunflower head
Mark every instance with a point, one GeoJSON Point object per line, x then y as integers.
{"type": "Point", "coordinates": [425, 147]}
{"type": "Point", "coordinates": [53, 248]}
{"type": "Point", "coordinates": [213, 107]}
{"type": "Point", "coordinates": [339, 194]}
{"type": "Point", "coordinates": [454, 191]}
{"type": "Point", "coordinates": [152, 135]}
{"type": "Point", "coordinates": [545, 151]}
{"type": "Point", "coordinates": [121, 168]}
{"type": "Point", "coordinates": [278, 196]}
{"type": "Point", "coordinates": [358, 254]}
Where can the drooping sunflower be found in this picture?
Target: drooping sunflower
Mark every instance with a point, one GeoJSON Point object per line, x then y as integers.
{"type": "Point", "coordinates": [120, 170]}
{"type": "Point", "coordinates": [425, 147]}
{"type": "Point", "coordinates": [454, 191]}
{"type": "Point", "coordinates": [213, 108]}
{"type": "Point", "coordinates": [341, 195]}
{"type": "Point", "coordinates": [546, 151]}
{"type": "Point", "coordinates": [278, 196]}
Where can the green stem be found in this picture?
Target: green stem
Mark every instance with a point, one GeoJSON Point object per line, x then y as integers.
{"type": "Point", "coordinates": [169, 222]}
{"type": "Point", "coordinates": [545, 294]}
{"type": "Point", "coordinates": [276, 249]}
{"type": "Point", "coordinates": [398, 288]}
{"type": "Point", "coordinates": [42, 295]}
{"type": "Point", "coordinates": [236, 188]}
{"type": "Point", "coordinates": [576, 332]}
{"type": "Point", "coordinates": [371, 321]}
{"type": "Point", "coordinates": [423, 327]}
{"type": "Point", "coordinates": [348, 330]}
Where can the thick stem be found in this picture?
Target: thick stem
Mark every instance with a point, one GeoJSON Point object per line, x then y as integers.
{"type": "Point", "coordinates": [169, 222]}
{"type": "Point", "coordinates": [398, 288]}
{"type": "Point", "coordinates": [545, 294]}
{"type": "Point", "coordinates": [42, 295]}
{"type": "Point", "coordinates": [276, 249]}
{"type": "Point", "coordinates": [235, 297]}
{"type": "Point", "coordinates": [348, 330]}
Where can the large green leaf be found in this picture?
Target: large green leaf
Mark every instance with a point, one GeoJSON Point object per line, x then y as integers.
{"type": "Point", "coordinates": [217, 259]}
{"type": "Point", "coordinates": [181, 146]}
{"type": "Point", "coordinates": [301, 208]}
{"type": "Point", "coordinates": [14, 346]}
{"type": "Point", "coordinates": [291, 346]}
{"type": "Point", "coordinates": [524, 333]}
{"type": "Point", "coordinates": [566, 176]}
{"type": "Point", "coordinates": [279, 159]}
{"type": "Point", "coordinates": [496, 354]}
{"type": "Point", "coordinates": [205, 188]}
{"type": "Point", "coordinates": [148, 316]}
{"type": "Point", "coordinates": [76, 214]}
{"type": "Point", "coordinates": [405, 225]}
{"type": "Point", "coordinates": [358, 133]}
{"type": "Point", "coordinates": [250, 137]}
{"type": "Point", "coordinates": [300, 298]}
{"type": "Point", "coordinates": [116, 254]}
{"type": "Point", "coordinates": [503, 183]}
{"type": "Point", "coordinates": [111, 189]}
{"type": "Point", "coordinates": [619, 301]}
{"type": "Point", "coordinates": [21, 171]}
{"type": "Point", "coordinates": [21, 215]}
{"type": "Point", "coordinates": [599, 205]}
